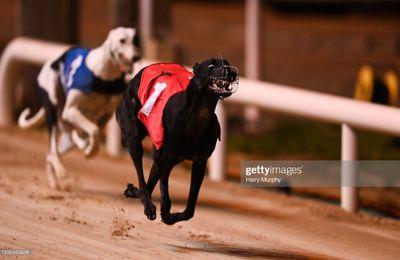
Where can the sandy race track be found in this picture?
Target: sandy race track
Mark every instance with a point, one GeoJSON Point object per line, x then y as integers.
{"type": "Point", "coordinates": [94, 220]}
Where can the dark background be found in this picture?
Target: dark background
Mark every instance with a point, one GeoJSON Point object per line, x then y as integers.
{"type": "Point", "coordinates": [318, 45]}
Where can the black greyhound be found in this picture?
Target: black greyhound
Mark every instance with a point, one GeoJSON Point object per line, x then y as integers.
{"type": "Point", "coordinates": [191, 130]}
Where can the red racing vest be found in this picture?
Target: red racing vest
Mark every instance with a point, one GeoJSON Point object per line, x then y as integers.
{"type": "Point", "coordinates": [159, 82]}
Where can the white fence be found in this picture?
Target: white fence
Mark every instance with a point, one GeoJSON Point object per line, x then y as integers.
{"type": "Point", "coordinates": [351, 114]}
{"type": "Point", "coordinates": [17, 53]}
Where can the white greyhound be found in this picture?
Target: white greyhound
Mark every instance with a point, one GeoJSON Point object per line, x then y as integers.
{"type": "Point", "coordinates": [80, 90]}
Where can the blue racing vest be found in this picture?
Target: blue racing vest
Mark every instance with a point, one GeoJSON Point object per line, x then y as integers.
{"type": "Point", "coordinates": [75, 74]}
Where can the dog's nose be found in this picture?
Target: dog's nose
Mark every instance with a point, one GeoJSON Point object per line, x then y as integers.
{"type": "Point", "coordinates": [136, 58]}
{"type": "Point", "coordinates": [232, 75]}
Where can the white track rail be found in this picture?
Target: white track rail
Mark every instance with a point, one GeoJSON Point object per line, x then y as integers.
{"type": "Point", "coordinates": [349, 113]}
{"type": "Point", "coordinates": [19, 52]}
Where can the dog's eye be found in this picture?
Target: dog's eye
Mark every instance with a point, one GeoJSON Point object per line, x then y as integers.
{"type": "Point", "coordinates": [122, 41]}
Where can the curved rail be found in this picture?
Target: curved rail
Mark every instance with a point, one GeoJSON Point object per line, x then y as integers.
{"type": "Point", "coordinates": [318, 106]}
{"type": "Point", "coordinates": [18, 52]}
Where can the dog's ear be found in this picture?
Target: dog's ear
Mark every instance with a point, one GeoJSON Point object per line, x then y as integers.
{"type": "Point", "coordinates": [196, 68]}
{"type": "Point", "coordinates": [201, 74]}
{"type": "Point", "coordinates": [107, 43]}
{"type": "Point", "coordinates": [108, 39]}
{"type": "Point", "coordinates": [136, 39]}
{"type": "Point", "coordinates": [108, 46]}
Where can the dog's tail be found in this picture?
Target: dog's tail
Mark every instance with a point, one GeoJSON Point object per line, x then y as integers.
{"type": "Point", "coordinates": [25, 123]}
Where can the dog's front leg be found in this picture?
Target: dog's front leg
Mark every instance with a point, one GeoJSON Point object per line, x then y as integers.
{"type": "Point", "coordinates": [198, 172]}
{"type": "Point", "coordinates": [165, 201]}
{"type": "Point", "coordinates": [73, 115]}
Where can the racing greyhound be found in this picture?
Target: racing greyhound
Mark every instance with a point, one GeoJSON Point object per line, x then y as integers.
{"type": "Point", "coordinates": [176, 108]}
{"type": "Point", "coordinates": [79, 91]}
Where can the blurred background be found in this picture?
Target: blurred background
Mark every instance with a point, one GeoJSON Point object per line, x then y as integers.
{"type": "Point", "coordinates": [318, 45]}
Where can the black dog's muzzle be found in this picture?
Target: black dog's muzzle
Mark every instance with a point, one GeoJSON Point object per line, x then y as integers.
{"type": "Point", "coordinates": [224, 81]}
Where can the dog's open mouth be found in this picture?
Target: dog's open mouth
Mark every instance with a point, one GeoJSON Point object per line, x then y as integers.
{"type": "Point", "coordinates": [224, 81]}
{"type": "Point", "coordinates": [221, 86]}
{"type": "Point", "coordinates": [125, 64]}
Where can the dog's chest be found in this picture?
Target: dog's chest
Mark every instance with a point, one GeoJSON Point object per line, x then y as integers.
{"type": "Point", "coordinates": [96, 105]}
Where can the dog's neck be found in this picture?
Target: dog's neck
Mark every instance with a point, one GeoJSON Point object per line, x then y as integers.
{"type": "Point", "coordinates": [200, 107]}
{"type": "Point", "coordinates": [103, 65]}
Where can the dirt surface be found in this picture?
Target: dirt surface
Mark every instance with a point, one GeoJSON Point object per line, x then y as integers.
{"type": "Point", "coordinates": [94, 220]}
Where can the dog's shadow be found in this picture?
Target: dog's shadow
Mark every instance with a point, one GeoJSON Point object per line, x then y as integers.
{"type": "Point", "coordinates": [207, 246]}
{"type": "Point", "coordinates": [245, 252]}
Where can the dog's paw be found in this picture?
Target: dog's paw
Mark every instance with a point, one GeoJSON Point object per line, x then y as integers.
{"type": "Point", "coordinates": [168, 218]}
{"type": "Point", "coordinates": [67, 184]}
{"type": "Point", "coordinates": [55, 171]}
{"type": "Point", "coordinates": [78, 140]}
{"type": "Point", "coordinates": [131, 191]}
{"type": "Point", "coordinates": [93, 146]}
{"type": "Point", "coordinates": [61, 172]}
{"type": "Point", "coordinates": [171, 218]}
{"type": "Point", "coordinates": [150, 212]}
{"type": "Point", "coordinates": [51, 177]}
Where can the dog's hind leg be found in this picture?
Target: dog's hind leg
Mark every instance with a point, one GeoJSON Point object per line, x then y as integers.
{"type": "Point", "coordinates": [132, 134]}
{"type": "Point", "coordinates": [54, 169]}
{"type": "Point", "coordinates": [136, 152]}
{"type": "Point", "coordinates": [133, 192]}
{"type": "Point", "coordinates": [74, 116]}
{"type": "Point", "coordinates": [198, 172]}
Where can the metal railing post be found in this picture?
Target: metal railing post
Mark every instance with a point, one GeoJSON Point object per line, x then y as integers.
{"type": "Point", "coordinates": [349, 199]}
{"type": "Point", "coordinates": [217, 160]}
